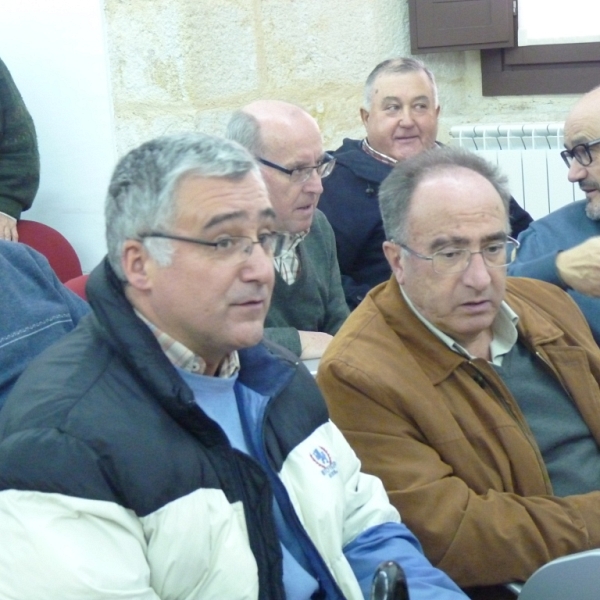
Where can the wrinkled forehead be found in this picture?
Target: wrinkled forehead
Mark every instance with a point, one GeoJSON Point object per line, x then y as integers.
{"type": "Point", "coordinates": [209, 200]}
{"type": "Point", "coordinates": [452, 200]}
{"type": "Point", "coordinates": [583, 122]}
{"type": "Point", "coordinates": [292, 139]}
{"type": "Point", "coordinates": [401, 84]}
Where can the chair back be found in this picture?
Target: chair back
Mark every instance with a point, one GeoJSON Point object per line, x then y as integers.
{"type": "Point", "coordinates": [575, 576]}
{"type": "Point", "coordinates": [53, 245]}
{"type": "Point", "coordinates": [77, 285]}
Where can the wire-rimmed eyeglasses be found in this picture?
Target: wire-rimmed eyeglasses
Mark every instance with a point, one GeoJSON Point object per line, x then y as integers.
{"type": "Point", "coordinates": [581, 153]}
{"type": "Point", "coordinates": [231, 247]}
{"type": "Point", "coordinates": [496, 254]}
{"type": "Point", "coordinates": [302, 174]}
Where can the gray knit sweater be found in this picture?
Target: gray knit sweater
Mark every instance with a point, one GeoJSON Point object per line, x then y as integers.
{"type": "Point", "coordinates": [19, 158]}
{"type": "Point", "coordinates": [315, 301]}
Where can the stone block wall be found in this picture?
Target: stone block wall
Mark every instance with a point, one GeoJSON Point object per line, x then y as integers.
{"type": "Point", "coordinates": [181, 64]}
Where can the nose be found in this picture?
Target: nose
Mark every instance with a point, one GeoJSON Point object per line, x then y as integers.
{"type": "Point", "coordinates": [477, 275]}
{"type": "Point", "coordinates": [405, 117]}
{"type": "Point", "coordinates": [258, 266]}
{"type": "Point", "coordinates": [313, 184]}
{"type": "Point", "coordinates": [577, 172]}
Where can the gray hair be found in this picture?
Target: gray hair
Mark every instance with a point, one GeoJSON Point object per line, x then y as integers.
{"type": "Point", "coordinates": [244, 129]}
{"type": "Point", "coordinates": [142, 195]}
{"type": "Point", "coordinates": [397, 65]}
{"type": "Point", "coordinates": [398, 189]}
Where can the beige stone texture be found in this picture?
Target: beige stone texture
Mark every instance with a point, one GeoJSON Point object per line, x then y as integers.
{"type": "Point", "coordinates": [181, 64]}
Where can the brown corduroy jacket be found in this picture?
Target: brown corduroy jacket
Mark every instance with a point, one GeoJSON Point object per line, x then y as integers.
{"type": "Point", "coordinates": [449, 441]}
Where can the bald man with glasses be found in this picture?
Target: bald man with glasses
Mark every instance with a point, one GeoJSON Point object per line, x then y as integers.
{"type": "Point", "coordinates": [308, 305]}
{"type": "Point", "coordinates": [564, 247]}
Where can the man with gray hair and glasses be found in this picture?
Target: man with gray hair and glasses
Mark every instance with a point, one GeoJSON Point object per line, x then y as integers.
{"type": "Point", "coordinates": [400, 114]}
{"type": "Point", "coordinates": [473, 396]}
{"type": "Point", "coordinates": [564, 246]}
{"type": "Point", "coordinates": [161, 450]}
{"type": "Point", "coordinates": [308, 305]}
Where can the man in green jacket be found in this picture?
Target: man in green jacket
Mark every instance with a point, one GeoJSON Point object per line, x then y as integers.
{"type": "Point", "coordinates": [19, 157]}
{"type": "Point", "coordinates": [474, 397]}
{"type": "Point", "coordinates": [308, 305]}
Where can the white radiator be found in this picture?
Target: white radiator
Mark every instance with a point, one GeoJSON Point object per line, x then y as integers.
{"type": "Point", "coordinates": [528, 154]}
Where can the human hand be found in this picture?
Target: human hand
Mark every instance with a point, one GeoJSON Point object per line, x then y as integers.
{"type": "Point", "coordinates": [313, 343]}
{"type": "Point", "coordinates": [579, 267]}
{"type": "Point", "coordinates": [8, 228]}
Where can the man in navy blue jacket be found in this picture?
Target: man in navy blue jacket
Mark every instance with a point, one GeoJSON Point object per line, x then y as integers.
{"type": "Point", "coordinates": [400, 114]}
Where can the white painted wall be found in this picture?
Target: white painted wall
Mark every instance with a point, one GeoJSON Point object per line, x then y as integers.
{"type": "Point", "coordinates": [56, 53]}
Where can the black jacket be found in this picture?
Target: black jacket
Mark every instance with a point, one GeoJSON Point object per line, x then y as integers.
{"type": "Point", "coordinates": [104, 415]}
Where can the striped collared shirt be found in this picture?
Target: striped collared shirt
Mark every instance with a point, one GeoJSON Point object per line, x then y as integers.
{"type": "Point", "coordinates": [183, 358]}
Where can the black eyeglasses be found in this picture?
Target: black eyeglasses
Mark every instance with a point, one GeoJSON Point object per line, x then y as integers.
{"type": "Point", "coordinates": [581, 153]}
{"type": "Point", "coordinates": [302, 174]}
{"type": "Point", "coordinates": [231, 247]}
{"type": "Point", "coordinates": [455, 260]}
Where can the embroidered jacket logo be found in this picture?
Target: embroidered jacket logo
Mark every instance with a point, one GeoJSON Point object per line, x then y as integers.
{"type": "Point", "coordinates": [321, 457]}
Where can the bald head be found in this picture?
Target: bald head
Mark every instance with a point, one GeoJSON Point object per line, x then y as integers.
{"type": "Point", "coordinates": [583, 127]}
{"type": "Point", "coordinates": [284, 137]}
{"type": "Point", "coordinates": [589, 102]}
{"type": "Point", "coordinates": [264, 126]}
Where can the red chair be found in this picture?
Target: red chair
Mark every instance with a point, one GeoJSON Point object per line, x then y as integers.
{"type": "Point", "coordinates": [77, 285]}
{"type": "Point", "coordinates": [53, 245]}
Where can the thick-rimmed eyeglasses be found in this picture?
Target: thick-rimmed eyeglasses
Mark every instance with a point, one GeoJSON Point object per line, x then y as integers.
{"type": "Point", "coordinates": [231, 247]}
{"type": "Point", "coordinates": [302, 174]}
{"type": "Point", "coordinates": [581, 153]}
{"type": "Point", "coordinates": [455, 260]}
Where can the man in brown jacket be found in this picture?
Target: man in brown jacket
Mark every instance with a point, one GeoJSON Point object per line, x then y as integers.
{"type": "Point", "coordinates": [474, 397]}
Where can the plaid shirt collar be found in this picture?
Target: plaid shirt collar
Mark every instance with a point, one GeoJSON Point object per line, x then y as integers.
{"type": "Point", "coordinates": [183, 358]}
{"type": "Point", "coordinates": [287, 262]}
{"type": "Point", "coordinates": [384, 158]}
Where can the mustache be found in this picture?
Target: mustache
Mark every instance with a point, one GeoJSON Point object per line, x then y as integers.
{"type": "Point", "coordinates": [588, 184]}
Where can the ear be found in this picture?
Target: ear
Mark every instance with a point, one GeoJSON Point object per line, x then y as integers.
{"type": "Point", "coordinates": [395, 258]}
{"type": "Point", "coordinates": [135, 261]}
{"type": "Point", "coordinates": [437, 111]}
{"type": "Point", "coordinates": [364, 116]}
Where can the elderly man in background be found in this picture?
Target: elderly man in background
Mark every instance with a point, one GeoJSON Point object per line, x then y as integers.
{"type": "Point", "coordinates": [19, 157]}
{"type": "Point", "coordinates": [474, 397]}
{"type": "Point", "coordinates": [400, 114]}
{"type": "Point", "coordinates": [308, 305]}
{"type": "Point", "coordinates": [564, 246]}
{"type": "Point", "coordinates": [161, 450]}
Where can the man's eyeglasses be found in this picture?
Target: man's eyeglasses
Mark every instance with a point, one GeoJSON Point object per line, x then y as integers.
{"type": "Point", "coordinates": [231, 247]}
{"type": "Point", "coordinates": [581, 153]}
{"type": "Point", "coordinates": [455, 260]}
{"type": "Point", "coordinates": [302, 174]}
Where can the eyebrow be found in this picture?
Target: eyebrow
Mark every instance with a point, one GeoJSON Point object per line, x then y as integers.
{"type": "Point", "coordinates": [304, 165]}
{"type": "Point", "coordinates": [442, 242]}
{"type": "Point", "coordinates": [239, 215]}
{"type": "Point", "coordinates": [579, 140]}
{"type": "Point", "coordinates": [399, 101]}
